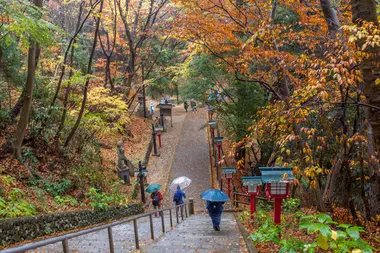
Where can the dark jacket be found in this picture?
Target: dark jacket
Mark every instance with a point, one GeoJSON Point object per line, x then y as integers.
{"type": "Point", "coordinates": [159, 197]}
{"type": "Point", "coordinates": [214, 207]}
{"type": "Point", "coordinates": [180, 195]}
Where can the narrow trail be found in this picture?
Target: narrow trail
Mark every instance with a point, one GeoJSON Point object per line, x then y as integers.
{"type": "Point", "coordinates": [185, 152]}
{"type": "Point", "coordinates": [196, 233]}
{"type": "Point", "coordinates": [191, 158]}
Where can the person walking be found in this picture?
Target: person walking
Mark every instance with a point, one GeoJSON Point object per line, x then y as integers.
{"type": "Point", "coordinates": [178, 198]}
{"type": "Point", "coordinates": [152, 108]}
{"type": "Point", "coordinates": [215, 210]}
{"type": "Point", "coordinates": [186, 105]}
{"type": "Point", "coordinates": [156, 201]}
{"type": "Point", "coordinates": [193, 106]}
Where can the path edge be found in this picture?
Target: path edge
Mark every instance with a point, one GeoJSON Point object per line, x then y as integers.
{"type": "Point", "coordinates": [248, 243]}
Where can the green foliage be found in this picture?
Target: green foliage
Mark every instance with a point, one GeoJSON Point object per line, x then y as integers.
{"type": "Point", "coordinates": [239, 103]}
{"type": "Point", "coordinates": [162, 79]}
{"type": "Point", "coordinates": [66, 200]}
{"type": "Point", "coordinates": [345, 239]}
{"type": "Point", "coordinates": [26, 23]}
{"type": "Point", "coordinates": [102, 201]}
{"type": "Point", "coordinates": [263, 205]}
{"type": "Point", "coordinates": [199, 73]}
{"type": "Point", "coordinates": [13, 205]}
{"type": "Point", "coordinates": [53, 188]}
{"type": "Point", "coordinates": [268, 232]}
{"type": "Point", "coordinates": [57, 188]}
{"type": "Point", "coordinates": [291, 205]}
{"type": "Point", "coordinates": [41, 125]}
{"type": "Point", "coordinates": [28, 156]}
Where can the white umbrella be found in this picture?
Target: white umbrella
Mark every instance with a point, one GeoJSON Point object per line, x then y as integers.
{"type": "Point", "coordinates": [183, 182]}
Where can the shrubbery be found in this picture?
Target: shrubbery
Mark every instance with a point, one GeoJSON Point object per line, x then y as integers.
{"type": "Point", "coordinates": [101, 201]}
{"type": "Point", "coordinates": [331, 236]}
{"type": "Point", "coordinates": [12, 203]}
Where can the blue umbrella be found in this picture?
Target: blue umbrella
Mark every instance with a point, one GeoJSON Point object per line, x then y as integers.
{"type": "Point", "coordinates": [153, 188]}
{"type": "Point", "coordinates": [214, 195]}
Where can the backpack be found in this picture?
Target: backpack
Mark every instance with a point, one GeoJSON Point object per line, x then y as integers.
{"type": "Point", "coordinates": [156, 200]}
{"type": "Point", "coordinates": [176, 197]}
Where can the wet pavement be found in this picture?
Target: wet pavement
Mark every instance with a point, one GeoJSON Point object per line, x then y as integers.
{"type": "Point", "coordinates": [196, 234]}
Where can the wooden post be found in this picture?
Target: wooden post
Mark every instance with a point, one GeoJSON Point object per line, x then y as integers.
{"type": "Point", "coordinates": [191, 206]}
{"type": "Point", "coordinates": [136, 234]}
{"type": "Point", "coordinates": [171, 218]}
{"type": "Point", "coordinates": [110, 238]}
{"type": "Point", "coordinates": [151, 226]}
{"type": "Point", "coordinates": [176, 213]}
{"type": "Point", "coordinates": [65, 245]}
{"type": "Point", "coordinates": [162, 221]}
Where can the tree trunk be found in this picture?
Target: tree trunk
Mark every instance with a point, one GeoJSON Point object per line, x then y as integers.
{"type": "Point", "coordinates": [15, 111]}
{"type": "Point", "coordinates": [374, 168]}
{"type": "Point", "coordinates": [89, 71]}
{"type": "Point", "coordinates": [66, 99]}
{"type": "Point", "coordinates": [67, 93]}
{"type": "Point", "coordinates": [27, 98]}
{"type": "Point", "coordinates": [365, 10]}
{"type": "Point", "coordinates": [331, 18]}
{"type": "Point", "coordinates": [1, 58]}
{"type": "Point", "coordinates": [63, 68]}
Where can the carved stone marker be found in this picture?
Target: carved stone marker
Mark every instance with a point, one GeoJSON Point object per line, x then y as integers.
{"type": "Point", "coordinates": [123, 164]}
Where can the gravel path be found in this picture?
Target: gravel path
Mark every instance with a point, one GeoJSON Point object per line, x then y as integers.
{"type": "Point", "coordinates": [159, 167]}
{"type": "Point", "coordinates": [191, 158]}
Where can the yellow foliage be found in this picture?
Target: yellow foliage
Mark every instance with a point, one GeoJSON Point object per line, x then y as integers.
{"type": "Point", "coordinates": [106, 113]}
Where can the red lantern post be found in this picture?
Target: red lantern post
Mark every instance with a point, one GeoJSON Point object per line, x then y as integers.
{"type": "Point", "coordinates": [251, 184]}
{"type": "Point", "coordinates": [159, 130]}
{"type": "Point", "coordinates": [277, 187]}
{"type": "Point", "coordinates": [210, 113]}
{"type": "Point", "coordinates": [212, 125]}
{"type": "Point", "coordinates": [278, 191]}
{"type": "Point", "coordinates": [228, 174]}
{"type": "Point", "coordinates": [218, 141]}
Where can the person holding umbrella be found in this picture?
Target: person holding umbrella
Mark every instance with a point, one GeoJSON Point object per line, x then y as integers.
{"type": "Point", "coordinates": [156, 196]}
{"type": "Point", "coordinates": [215, 200]}
{"type": "Point", "coordinates": [176, 186]}
{"type": "Point", "coordinates": [178, 196]}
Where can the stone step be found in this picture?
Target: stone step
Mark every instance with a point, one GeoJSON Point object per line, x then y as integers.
{"type": "Point", "coordinates": [196, 234]}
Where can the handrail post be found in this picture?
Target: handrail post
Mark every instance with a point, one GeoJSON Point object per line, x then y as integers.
{"type": "Point", "coordinates": [191, 206]}
{"type": "Point", "coordinates": [162, 221]}
{"type": "Point", "coordinates": [186, 210]}
{"type": "Point", "coordinates": [171, 217]}
{"type": "Point", "coordinates": [176, 213]}
{"type": "Point", "coordinates": [151, 226]}
{"type": "Point", "coordinates": [136, 234]}
{"type": "Point", "coordinates": [65, 245]}
{"type": "Point", "coordinates": [110, 239]}
{"type": "Point", "coordinates": [182, 211]}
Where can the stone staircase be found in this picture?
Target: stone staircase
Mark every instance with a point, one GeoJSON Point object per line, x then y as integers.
{"type": "Point", "coordinates": [196, 234]}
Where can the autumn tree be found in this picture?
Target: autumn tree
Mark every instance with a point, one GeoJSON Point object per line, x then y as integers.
{"type": "Point", "coordinates": [299, 52]}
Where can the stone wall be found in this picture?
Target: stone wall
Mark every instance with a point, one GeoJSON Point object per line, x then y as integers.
{"type": "Point", "coordinates": [28, 228]}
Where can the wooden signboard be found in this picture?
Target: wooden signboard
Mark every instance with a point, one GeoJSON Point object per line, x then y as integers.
{"type": "Point", "coordinates": [167, 111]}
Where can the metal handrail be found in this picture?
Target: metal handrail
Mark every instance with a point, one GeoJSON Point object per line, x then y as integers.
{"type": "Point", "coordinates": [64, 238]}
